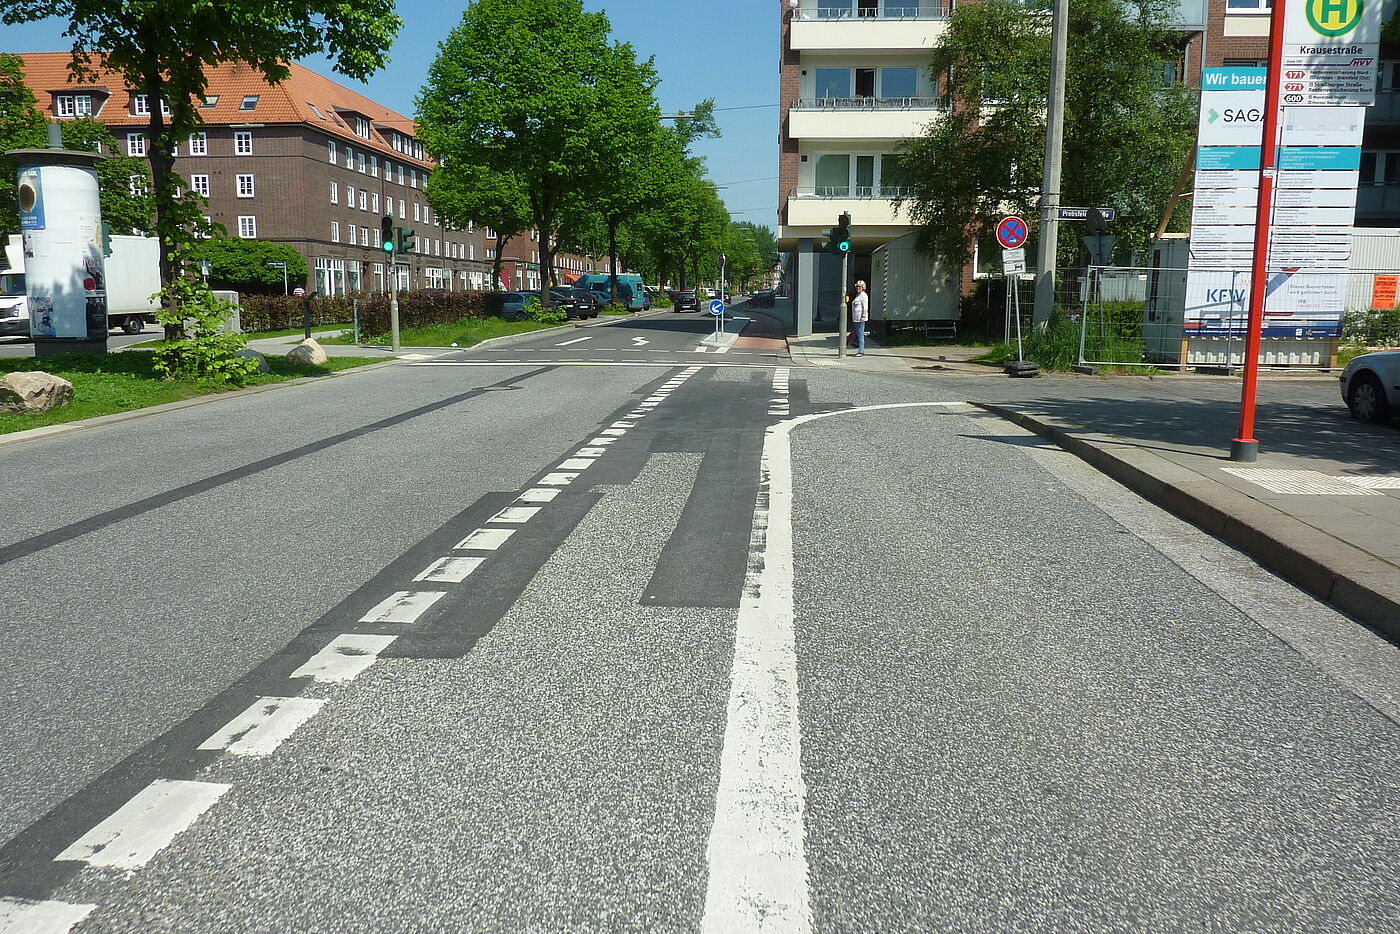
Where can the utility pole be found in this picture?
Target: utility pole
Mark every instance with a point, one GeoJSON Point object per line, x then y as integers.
{"type": "Point", "coordinates": [1048, 244]}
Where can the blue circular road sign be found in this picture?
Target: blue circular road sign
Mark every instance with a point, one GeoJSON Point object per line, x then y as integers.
{"type": "Point", "coordinates": [716, 307]}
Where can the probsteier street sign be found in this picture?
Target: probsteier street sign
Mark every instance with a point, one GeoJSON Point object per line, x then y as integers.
{"type": "Point", "coordinates": [1329, 52]}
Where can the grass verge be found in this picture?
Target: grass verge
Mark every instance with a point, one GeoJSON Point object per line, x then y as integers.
{"type": "Point", "coordinates": [252, 335]}
{"type": "Point", "coordinates": [463, 333]}
{"type": "Point", "coordinates": [104, 384]}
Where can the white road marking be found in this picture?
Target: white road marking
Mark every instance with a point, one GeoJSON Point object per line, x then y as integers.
{"type": "Point", "coordinates": [577, 463]}
{"type": "Point", "coordinates": [576, 340]}
{"type": "Point", "coordinates": [623, 425]}
{"type": "Point", "coordinates": [1374, 481]}
{"type": "Point", "coordinates": [537, 495]}
{"type": "Point", "coordinates": [145, 824]}
{"type": "Point", "coordinates": [450, 570]}
{"type": "Point", "coordinates": [757, 852]}
{"type": "Point", "coordinates": [403, 606]}
{"type": "Point", "coordinates": [615, 432]}
{"type": "Point", "coordinates": [260, 729]}
{"type": "Point", "coordinates": [486, 539]}
{"type": "Point", "coordinates": [655, 399]}
{"type": "Point", "coordinates": [591, 452]}
{"type": "Point", "coordinates": [22, 916]}
{"type": "Point", "coordinates": [344, 658]}
{"type": "Point", "coordinates": [603, 440]}
{"type": "Point", "coordinates": [612, 363]}
{"type": "Point", "coordinates": [516, 513]}
{"type": "Point", "coordinates": [639, 341]}
{"type": "Point", "coordinates": [558, 479]}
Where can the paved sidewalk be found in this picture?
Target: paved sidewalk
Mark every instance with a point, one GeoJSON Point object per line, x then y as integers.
{"type": "Point", "coordinates": [1321, 507]}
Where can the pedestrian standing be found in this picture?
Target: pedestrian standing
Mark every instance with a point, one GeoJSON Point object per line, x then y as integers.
{"type": "Point", "coordinates": [860, 313]}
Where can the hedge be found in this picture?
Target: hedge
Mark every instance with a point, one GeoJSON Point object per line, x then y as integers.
{"type": "Point", "coordinates": [279, 312]}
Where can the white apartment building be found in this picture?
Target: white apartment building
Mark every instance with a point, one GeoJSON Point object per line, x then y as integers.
{"type": "Point", "coordinates": [854, 82]}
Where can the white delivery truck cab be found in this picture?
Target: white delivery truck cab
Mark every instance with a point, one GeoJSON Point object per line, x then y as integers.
{"type": "Point", "coordinates": [133, 279]}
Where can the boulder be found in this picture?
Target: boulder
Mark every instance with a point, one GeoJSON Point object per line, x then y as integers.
{"type": "Point", "coordinates": [32, 392]}
{"type": "Point", "coordinates": [248, 353]}
{"type": "Point", "coordinates": [308, 352]}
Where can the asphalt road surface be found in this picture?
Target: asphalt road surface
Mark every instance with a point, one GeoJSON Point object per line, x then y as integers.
{"type": "Point", "coordinates": [607, 632]}
{"type": "Point", "coordinates": [11, 346]}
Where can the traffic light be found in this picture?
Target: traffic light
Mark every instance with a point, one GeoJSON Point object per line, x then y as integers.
{"type": "Point", "coordinates": [406, 240]}
{"type": "Point", "coordinates": [386, 233]}
{"type": "Point", "coordinates": [839, 238]}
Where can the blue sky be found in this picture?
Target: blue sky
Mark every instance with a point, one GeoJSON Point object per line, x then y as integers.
{"type": "Point", "coordinates": [725, 49]}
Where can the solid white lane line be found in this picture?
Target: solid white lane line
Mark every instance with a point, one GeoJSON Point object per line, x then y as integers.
{"type": "Point", "coordinates": [485, 539]}
{"type": "Point", "coordinates": [558, 479]}
{"type": "Point", "coordinates": [537, 495]}
{"type": "Point", "coordinates": [577, 463]}
{"type": "Point", "coordinates": [22, 916]}
{"type": "Point", "coordinates": [590, 452]}
{"type": "Point", "coordinates": [515, 514]}
{"type": "Point", "coordinates": [264, 726]}
{"type": "Point", "coordinates": [403, 606]}
{"type": "Point", "coordinates": [757, 850]}
{"type": "Point", "coordinates": [450, 570]}
{"type": "Point", "coordinates": [576, 340]}
{"type": "Point", "coordinates": [145, 824]}
{"type": "Point", "coordinates": [344, 658]}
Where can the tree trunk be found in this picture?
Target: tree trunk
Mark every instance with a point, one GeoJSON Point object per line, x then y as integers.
{"type": "Point", "coordinates": [168, 235]}
{"type": "Point", "coordinates": [496, 263]}
{"type": "Point", "coordinates": [612, 251]}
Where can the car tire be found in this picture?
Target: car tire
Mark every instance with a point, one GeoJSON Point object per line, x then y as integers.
{"type": "Point", "coordinates": [134, 324]}
{"type": "Point", "coordinates": [1367, 399]}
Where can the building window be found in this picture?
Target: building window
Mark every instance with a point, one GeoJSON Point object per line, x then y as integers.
{"type": "Point", "coordinates": [199, 144]}
{"type": "Point", "coordinates": [247, 226]}
{"type": "Point", "coordinates": [242, 142]}
{"type": "Point", "coordinates": [374, 202]}
{"type": "Point", "coordinates": [335, 231]}
{"type": "Point", "coordinates": [379, 277]}
{"type": "Point", "coordinates": [1248, 6]}
{"type": "Point", "coordinates": [73, 105]}
{"type": "Point", "coordinates": [401, 209]}
{"type": "Point", "coordinates": [136, 144]}
{"type": "Point", "coordinates": [316, 110]}
{"type": "Point", "coordinates": [374, 166]}
{"type": "Point", "coordinates": [400, 173]}
{"type": "Point", "coordinates": [139, 105]}
{"type": "Point", "coordinates": [437, 247]}
{"type": "Point", "coordinates": [364, 236]}
{"type": "Point", "coordinates": [350, 195]}
{"type": "Point", "coordinates": [471, 251]}
{"type": "Point", "coordinates": [360, 161]}
{"type": "Point", "coordinates": [350, 234]}
{"type": "Point", "coordinates": [245, 186]}
{"type": "Point", "coordinates": [413, 177]}
{"type": "Point", "coordinates": [364, 200]}
{"type": "Point", "coordinates": [210, 102]}
{"type": "Point", "coordinates": [199, 184]}
{"type": "Point", "coordinates": [249, 102]}
{"type": "Point", "coordinates": [417, 213]}
{"type": "Point", "coordinates": [137, 184]}
{"type": "Point", "coordinates": [335, 192]}
{"type": "Point", "coordinates": [349, 157]}
{"type": "Point", "coordinates": [491, 233]}
{"type": "Point", "coordinates": [330, 150]}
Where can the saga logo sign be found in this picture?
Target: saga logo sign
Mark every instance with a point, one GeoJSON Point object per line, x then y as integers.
{"type": "Point", "coordinates": [1333, 17]}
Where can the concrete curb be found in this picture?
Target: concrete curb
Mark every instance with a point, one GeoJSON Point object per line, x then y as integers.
{"type": "Point", "coordinates": [51, 431]}
{"type": "Point", "coordinates": [1329, 568]}
{"type": "Point", "coordinates": [601, 321]}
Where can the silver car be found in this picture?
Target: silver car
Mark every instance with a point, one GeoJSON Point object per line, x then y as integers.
{"type": "Point", "coordinates": [1371, 386]}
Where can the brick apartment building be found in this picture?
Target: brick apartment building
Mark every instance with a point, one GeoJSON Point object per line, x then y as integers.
{"type": "Point", "coordinates": [308, 163]}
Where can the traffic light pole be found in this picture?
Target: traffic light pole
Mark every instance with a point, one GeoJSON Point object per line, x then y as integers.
{"type": "Point", "coordinates": [841, 345]}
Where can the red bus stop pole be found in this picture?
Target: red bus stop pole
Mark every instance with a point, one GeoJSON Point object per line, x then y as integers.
{"type": "Point", "coordinates": [1244, 447]}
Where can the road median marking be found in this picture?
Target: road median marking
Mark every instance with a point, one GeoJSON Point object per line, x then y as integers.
{"type": "Point", "coordinates": [142, 827]}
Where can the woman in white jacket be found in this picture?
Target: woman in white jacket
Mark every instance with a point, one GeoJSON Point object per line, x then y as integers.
{"type": "Point", "coordinates": [860, 313]}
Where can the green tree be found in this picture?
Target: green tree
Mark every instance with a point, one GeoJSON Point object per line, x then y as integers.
{"type": "Point", "coordinates": [242, 265]}
{"type": "Point", "coordinates": [1127, 131]}
{"type": "Point", "coordinates": [530, 89]}
{"type": "Point", "coordinates": [463, 194]}
{"type": "Point", "coordinates": [123, 182]}
{"type": "Point", "coordinates": [163, 49]}
{"type": "Point", "coordinates": [21, 127]}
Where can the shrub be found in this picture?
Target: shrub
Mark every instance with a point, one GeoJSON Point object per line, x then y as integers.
{"type": "Point", "coordinates": [614, 308]}
{"type": "Point", "coordinates": [279, 312]}
{"type": "Point", "coordinates": [534, 311]}
{"type": "Point", "coordinates": [661, 300]}
{"type": "Point", "coordinates": [208, 353]}
{"type": "Point", "coordinates": [1373, 327]}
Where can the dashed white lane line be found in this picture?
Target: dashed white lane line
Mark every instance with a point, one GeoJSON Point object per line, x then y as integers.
{"type": "Point", "coordinates": [484, 540]}
{"type": "Point", "coordinates": [144, 825]}
{"type": "Point", "coordinates": [264, 726]}
{"type": "Point", "coordinates": [449, 570]}
{"type": "Point", "coordinates": [537, 495]}
{"type": "Point", "coordinates": [344, 658]}
{"type": "Point", "coordinates": [403, 606]}
{"type": "Point", "coordinates": [22, 916]}
{"type": "Point", "coordinates": [558, 479]}
{"type": "Point", "coordinates": [590, 452]}
{"type": "Point", "coordinates": [621, 426]}
{"type": "Point", "coordinates": [576, 340]}
{"type": "Point", "coordinates": [577, 463]}
{"type": "Point", "coordinates": [615, 432]}
{"type": "Point", "coordinates": [515, 514]}
{"type": "Point", "coordinates": [602, 441]}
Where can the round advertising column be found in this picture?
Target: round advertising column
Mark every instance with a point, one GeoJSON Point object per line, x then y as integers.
{"type": "Point", "coordinates": [61, 226]}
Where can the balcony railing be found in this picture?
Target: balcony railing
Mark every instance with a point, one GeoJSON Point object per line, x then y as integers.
{"type": "Point", "coordinates": [868, 103]}
{"type": "Point", "coordinates": [853, 192]}
{"type": "Point", "coordinates": [884, 11]}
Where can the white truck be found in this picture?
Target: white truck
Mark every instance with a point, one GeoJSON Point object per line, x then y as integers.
{"type": "Point", "coordinates": [133, 277]}
{"type": "Point", "coordinates": [906, 286]}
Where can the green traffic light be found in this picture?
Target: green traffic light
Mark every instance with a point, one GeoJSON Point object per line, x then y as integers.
{"type": "Point", "coordinates": [388, 246]}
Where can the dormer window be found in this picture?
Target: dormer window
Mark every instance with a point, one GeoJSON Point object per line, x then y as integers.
{"type": "Point", "coordinates": [210, 102]}
{"type": "Point", "coordinates": [141, 107]}
{"type": "Point", "coordinates": [72, 105]}
{"type": "Point", "coordinates": [362, 128]}
{"type": "Point", "coordinates": [316, 110]}
{"type": "Point", "coordinates": [248, 102]}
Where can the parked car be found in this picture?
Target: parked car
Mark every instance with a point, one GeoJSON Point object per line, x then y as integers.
{"type": "Point", "coordinates": [684, 299]}
{"type": "Point", "coordinates": [577, 303]}
{"type": "Point", "coordinates": [763, 298]}
{"type": "Point", "coordinates": [513, 304]}
{"type": "Point", "coordinates": [1371, 386]}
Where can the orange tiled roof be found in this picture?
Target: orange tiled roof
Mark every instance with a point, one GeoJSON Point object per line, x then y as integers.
{"type": "Point", "coordinates": [296, 100]}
